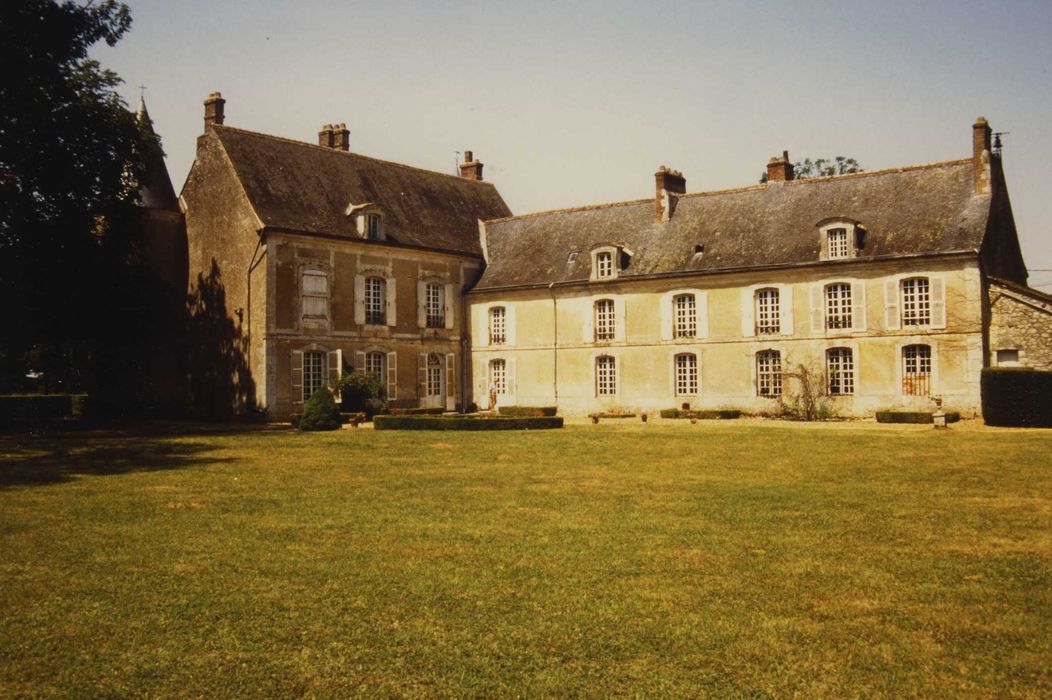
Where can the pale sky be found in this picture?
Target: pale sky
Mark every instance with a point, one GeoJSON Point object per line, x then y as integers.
{"type": "Point", "coordinates": [576, 103]}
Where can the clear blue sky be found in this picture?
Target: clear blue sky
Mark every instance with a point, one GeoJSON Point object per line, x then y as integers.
{"type": "Point", "coordinates": [573, 103]}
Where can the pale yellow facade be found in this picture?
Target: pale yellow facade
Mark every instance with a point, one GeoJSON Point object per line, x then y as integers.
{"type": "Point", "coordinates": [547, 351]}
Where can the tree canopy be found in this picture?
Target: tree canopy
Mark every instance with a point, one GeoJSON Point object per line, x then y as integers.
{"type": "Point", "coordinates": [822, 167]}
{"type": "Point", "coordinates": [70, 155]}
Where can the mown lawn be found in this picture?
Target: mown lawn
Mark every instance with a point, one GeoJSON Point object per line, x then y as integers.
{"type": "Point", "coordinates": [725, 559]}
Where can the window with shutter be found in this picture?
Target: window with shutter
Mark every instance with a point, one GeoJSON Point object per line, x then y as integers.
{"type": "Point", "coordinates": [315, 294]}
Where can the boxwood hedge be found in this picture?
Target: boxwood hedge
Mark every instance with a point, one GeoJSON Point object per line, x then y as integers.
{"type": "Point", "coordinates": [1017, 396]}
{"type": "Point", "coordinates": [709, 414]}
{"type": "Point", "coordinates": [527, 410]}
{"type": "Point", "coordinates": [460, 422]}
{"type": "Point", "coordinates": [914, 416]}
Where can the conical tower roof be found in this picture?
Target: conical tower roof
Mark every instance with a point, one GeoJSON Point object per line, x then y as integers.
{"type": "Point", "coordinates": [155, 191]}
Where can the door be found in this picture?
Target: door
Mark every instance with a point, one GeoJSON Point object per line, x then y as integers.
{"type": "Point", "coordinates": [434, 383]}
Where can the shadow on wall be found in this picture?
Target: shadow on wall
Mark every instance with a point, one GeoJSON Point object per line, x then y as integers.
{"type": "Point", "coordinates": [221, 383]}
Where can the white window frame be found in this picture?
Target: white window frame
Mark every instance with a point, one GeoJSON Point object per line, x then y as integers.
{"type": "Point", "coordinates": [435, 309]}
{"type": "Point", "coordinates": [375, 301]}
{"type": "Point", "coordinates": [835, 355]}
{"type": "Point", "coordinates": [605, 315]}
{"type": "Point", "coordinates": [312, 381]}
{"type": "Point", "coordinates": [375, 365]}
{"type": "Point", "coordinates": [606, 263]}
{"type": "Point", "coordinates": [768, 365]}
{"type": "Point", "coordinates": [832, 247]}
{"type": "Point", "coordinates": [686, 376]}
{"type": "Point", "coordinates": [497, 370]}
{"type": "Point", "coordinates": [672, 321]}
{"type": "Point", "coordinates": [768, 318]}
{"type": "Point", "coordinates": [605, 373]}
{"type": "Point", "coordinates": [497, 317]}
{"type": "Point", "coordinates": [374, 227]}
{"type": "Point", "coordinates": [915, 302]}
{"type": "Point", "coordinates": [917, 382]}
{"type": "Point", "coordinates": [685, 316]}
{"type": "Point", "coordinates": [843, 301]}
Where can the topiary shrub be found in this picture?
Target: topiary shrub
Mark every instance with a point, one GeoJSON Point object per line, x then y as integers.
{"type": "Point", "coordinates": [527, 410]}
{"type": "Point", "coordinates": [321, 412]}
{"type": "Point", "coordinates": [1017, 396]}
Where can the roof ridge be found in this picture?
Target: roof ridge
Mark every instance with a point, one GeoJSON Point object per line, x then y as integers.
{"type": "Point", "coordinates": [326, 149]}
{"type": "Point", "coordinates": [1022, 288]}
{"type": "Point", "coordinates": [570, 210]}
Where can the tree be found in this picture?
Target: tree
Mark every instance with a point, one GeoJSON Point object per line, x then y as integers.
{"type": "Point", "coordinates": [70, 156]}
{"type": "Point", "coordinates": [822, 167]}
{"type": "Point", "coordinates": [321, 412]}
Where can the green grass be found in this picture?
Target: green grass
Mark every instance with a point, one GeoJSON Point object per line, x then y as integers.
{"type": "Point", "coordinates": [721, 559]}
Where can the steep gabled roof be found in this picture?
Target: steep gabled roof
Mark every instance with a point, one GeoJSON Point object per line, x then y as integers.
{"type": "Point", "coordinates": [155, 191]}
{"type": "Point", "coordinates": [301, 187]}
{"type": "Point", "coordinates": [918, 210]}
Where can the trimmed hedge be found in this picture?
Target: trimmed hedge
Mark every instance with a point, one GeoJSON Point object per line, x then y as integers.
{"type": "Point", "coordinates": [40, 409]}
{"type": "Point", "coordinates": [459, 422]}
{"type": "Point", "coordinates": [914, 416]}
{"type": "Point", "coordinates": [1017, 397]}
{"type": "Point", "coordinates": [710, 414]}
{"type": "Point", "coordinates": [433, 411]}
{"type": "Point", "coordinates": [527, 410]}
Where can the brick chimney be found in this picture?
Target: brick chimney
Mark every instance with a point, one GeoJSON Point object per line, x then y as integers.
{"type": "Point", "coordinates": [667, 183]}
{"type": "Point", "coordinates": [470, 168]}
{"type": "Point", "coordinates": [341, 137]}
{"type": "Point", "coordinates": [214, 109]}
{"type": "Point", "coordinates": [325, 136]}
{"type": "Point", "coordinates": [981, 155]}
{"type": "Point", "coordinates": [779, 169]}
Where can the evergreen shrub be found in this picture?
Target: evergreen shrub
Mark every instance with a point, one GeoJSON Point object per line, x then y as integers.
{"type": "Point", "coordinates": [321, 412]}
{"type": "Point", "coordinates": [1017, 397]}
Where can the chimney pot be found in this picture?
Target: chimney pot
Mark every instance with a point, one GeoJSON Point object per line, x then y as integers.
{"type": "Point", "coordinates": [214, 109]}
{"type": "Point", "coordinates": [667, 182]}
{"type": "Point", "coordinates": [325, 136]}
{"type": "Point", "coordinates": [981, 133]}
{"type": "Point", "coordinates": [341, 137]}
{"type": "Point", "coordinates": [470, 168]}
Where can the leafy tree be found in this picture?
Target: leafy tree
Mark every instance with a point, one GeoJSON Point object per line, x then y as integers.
{"type": "Point", "coordinates": [70, 156]}
{"type": "Point", "coordinates": [361, 392]}
{"type": "Point", "coordinates": [321, 412]}
{"type": "Point", "coordinates": [822, 167]}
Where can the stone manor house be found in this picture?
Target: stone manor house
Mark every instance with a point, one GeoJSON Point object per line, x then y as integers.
{"type": "Point", "coordinates": [894, 286]}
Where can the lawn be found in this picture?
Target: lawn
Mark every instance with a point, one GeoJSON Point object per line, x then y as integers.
{"type": "Point", "coordinates": [724, 558]}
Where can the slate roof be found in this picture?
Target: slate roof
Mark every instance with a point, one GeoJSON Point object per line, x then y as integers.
{"type": "Point", "coordinates": [916, 210]}
{"type": "Point", "coordinates": [155, 191]}
{"type": "Point", "coordinates": [302, 187]}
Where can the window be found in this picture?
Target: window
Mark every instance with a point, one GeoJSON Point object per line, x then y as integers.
{"type": "Point", "coordinates": [769, 373]}
{"type": "Point", "coordinates": [434, 375]}
{"type": "Point", "coordinates": [840, 371]}
{"type": "Point", "coordinates": [605, 323]}
{"type": "Point", "coordinates": [604, 265]}
{"type": "Point", "coordinates": [436, 315]}
{"type": "Point", "coordinates": [768, 313]}
{"type": "Point", "coordinates": [916, 370]}
{"type": "Point", "coordinates": [605, 376]}
{"type": "Point", "coordinates": [313, 372]}
{"type": "Point", "coordinates": [1008, 358]}
{"type": "Point", "coordinates": [916, 302]}
{"type": "Point", "coordinates": [375, 291]}
{"type": "Point", "coordinates": [372, 227]}
{"type": "Point", "coordinates": [498, 376]}
{"type": "Point", "coordinates": [837, 244]}
{"type": "Point", "coordinates": [496, 325]}
{"type": "Point", "coordinates": [315, 294]}
{"type": "Point", "coordinates": [686, 374]}
{"type": "Point", "coordinates": [838, 305]}
{"type": "Point", "coordinates": [374, 365]}
{"type": "Point", "coordinates": [684, 307]}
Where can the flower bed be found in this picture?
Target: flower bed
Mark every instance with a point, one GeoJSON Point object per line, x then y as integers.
{"type": "Point", "coordinates": [462, 422]}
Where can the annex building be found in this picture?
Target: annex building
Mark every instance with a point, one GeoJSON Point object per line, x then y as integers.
{"type": "Point", "coordinates": [892, 286]}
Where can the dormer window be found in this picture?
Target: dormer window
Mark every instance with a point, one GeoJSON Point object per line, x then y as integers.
{"type": "Point", "coordinates": [840, 239]}
{"type": "Point", "coordinates": [836, 243]}
{"type": "Point", "coordinates": [372, 227]}
{"type": "Point", "coordinates": [606, 262]}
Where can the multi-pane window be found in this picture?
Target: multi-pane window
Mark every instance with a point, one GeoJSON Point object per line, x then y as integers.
{"type": "Point", "coordinates": [605, 376]}
{"type": "Point", "coordinates": [436, 315]}
{"type": "Point", "coordinates": [686, 374]}
{"type": "Point", "coordinates": [838, 305]}
{"type": "Point", "coordinates": [604, 263]}
{"type": "Point", "coordinates": [837, 242]}
{"type": "Point", "coordinates": [375, 291]}
{"type": "Point", "coordinates": [916, 302]}
{"type": "Point", "coordinates": [497, 319]}
{"type": "Point", "coordinates": [313, 372]}
{"type": "Point", "coordinates": [605, 323]}
{"type": "Point", "coordinates": [840, 371]}
{"type": "Point", "coordinates": [434, 375]}
{"type": "Point", "coordinates": [374, 365]}
{"type": "Point", "coordinates": [498, 376]}
{"type": "Point", "coordinates": [315, 297]}
{"type": "Point", "coordinates": [769, 373]}
{"type": "Point", "coordinates": [685, 311]}
{"type": "Point", "coordinates": [768, 312]}
{"type": "Point", "coordinates": [372, 227]}
{"type": "Point", "coordinates": [916, 370]}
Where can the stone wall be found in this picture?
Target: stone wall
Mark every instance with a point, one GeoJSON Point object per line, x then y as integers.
{"type": "Point", "coordinates": [1021, 319]}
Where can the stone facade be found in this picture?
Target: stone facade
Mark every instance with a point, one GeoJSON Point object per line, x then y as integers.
{"type": "Point", "coordinates": [1020, 326]}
